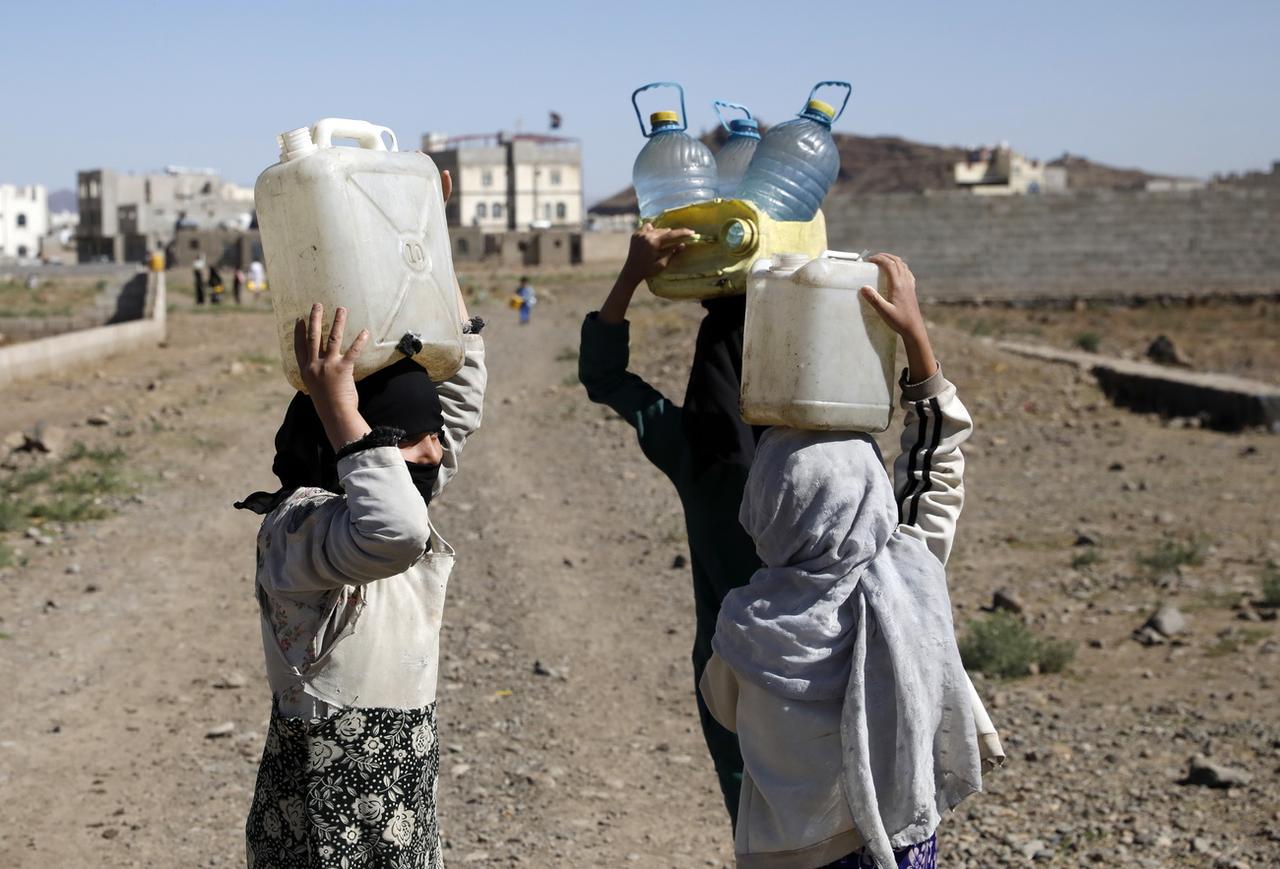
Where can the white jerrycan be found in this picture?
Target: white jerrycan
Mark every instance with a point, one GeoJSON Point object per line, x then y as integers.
{"type": "Point", "coordinates": [815, 355]}
{"type": "Point", "coordinates": [362, 227]}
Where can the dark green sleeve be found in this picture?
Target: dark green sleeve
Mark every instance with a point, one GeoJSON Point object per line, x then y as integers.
{"type": "Point", "coordinates": [602, 368]}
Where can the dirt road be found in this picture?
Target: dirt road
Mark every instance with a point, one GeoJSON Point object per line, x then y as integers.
{"type": "Point", "coordinates": [566, 702]}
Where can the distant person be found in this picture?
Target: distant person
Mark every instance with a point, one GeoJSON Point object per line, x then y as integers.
{"type": "Point", "coordinates": [837, 664]}
{"type": "Point", "coordinates": [703, 447]}
{"type": "Point", "coordinates": [524, 300]}
{"type": "Point", "coordinates": [216, 289]}
{"type": "Point", "coordinates": [237, 284]}
{"type": "Point", "coordinates": [257, 279]}
{"type": "Point", "coordinates": [197, 270]}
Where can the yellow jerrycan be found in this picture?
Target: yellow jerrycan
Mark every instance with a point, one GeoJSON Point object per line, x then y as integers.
{"type": "Point", "coordinates": [731, 235]}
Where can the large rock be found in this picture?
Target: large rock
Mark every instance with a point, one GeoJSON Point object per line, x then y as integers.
{"type": "Point", "coordinates": [1006, 599]}
{"type": "Point", "coordinates": [1164, 352]}
{"type": "Point", "coordinates": [1168, 621]}
{"type": "Point", "coordinates": [1202, 771]}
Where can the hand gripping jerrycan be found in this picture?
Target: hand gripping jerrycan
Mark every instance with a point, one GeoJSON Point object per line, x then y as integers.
{"type": "Point", "coordinates": [673, 168]}
{"type": "Point", "coordinates": [735, 155]}
{"type": "Point", "coordinates": [362, 227]}
{"type": "Point", "coordinates": [815, 355]}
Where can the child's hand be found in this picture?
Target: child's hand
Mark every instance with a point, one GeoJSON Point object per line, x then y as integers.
{"type": "Point", "coordinates": [328, 374]}
{"type": "Point", "coordinates": [901, 310]}
{"type": "Point", "coordinates": [652, 249]}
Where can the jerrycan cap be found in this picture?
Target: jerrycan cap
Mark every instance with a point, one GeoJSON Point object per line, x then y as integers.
{"type": "Point", "coordinates": [295, 143]}
{"type": "Point", "coordinates": [748, 127]}
{"type": "Point", "coordinates": [819, 111]}
{"type": "Point", "coordinates": [665, 118]}
{"type": "Point", "coordinates": [789, 262]}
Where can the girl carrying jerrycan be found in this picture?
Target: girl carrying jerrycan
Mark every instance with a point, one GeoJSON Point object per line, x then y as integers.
{"type": "Point", "coordinates": [351, 571]}
{"type": "Point", "coordinates": [837, 664]}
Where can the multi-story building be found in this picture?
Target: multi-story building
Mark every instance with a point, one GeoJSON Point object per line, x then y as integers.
{"type": "Point", "coordinates": [24, 219]}
{"type": "Point", "coordinates": [122, 217]}
{"type": "Point", "coordinates": [511, 181]}
{"type": "Point", "coordinates": [1000, 171]}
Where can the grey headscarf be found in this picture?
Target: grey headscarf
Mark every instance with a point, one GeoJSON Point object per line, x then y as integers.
{"type": "Point", "coordinates": [846, 606]}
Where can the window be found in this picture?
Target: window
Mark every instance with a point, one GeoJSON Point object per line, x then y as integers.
{"type": "Point", "coordinates": [481, 209]}
{"type": "Point", "coordinates": [555, 177]}
{"type": "Point", "coordinates": [22, 250]}
{"type": "Point", "coordinates": [463, 247]}
{"type": "Point", "coordinates": [22, 219]}
{"type": "Point", "coordinates": [561, 211]}
{"type": "Point", "coordinates": [486, 178]}
{"type": "Point", "coordinates": [497, 209]}
{"type": "Point", "coordinates": [546, 211]}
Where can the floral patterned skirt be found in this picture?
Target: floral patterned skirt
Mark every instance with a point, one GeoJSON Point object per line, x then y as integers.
{"type": "Point", "coordinates": [922, 856]}
{"type": "Point", "coordinates": [354, 790]}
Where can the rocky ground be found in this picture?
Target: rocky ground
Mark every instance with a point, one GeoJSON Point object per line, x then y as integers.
{"type": "Point", "coordinates": [130, 646]}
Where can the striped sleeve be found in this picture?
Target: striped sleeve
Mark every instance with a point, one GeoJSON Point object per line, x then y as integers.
{"type": "Point", "coordinates": [929, 473]}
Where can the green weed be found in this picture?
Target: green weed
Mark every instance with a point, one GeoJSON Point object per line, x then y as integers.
{"type": "Point", "coordinates": [1002, 646]}
{"type": "Point", "coordinates": [6, 554]}
{"type": "Point", "coordinates": [1170, 554]}
{"type": "Point", "coordinates": [1271, 585]}
{"type": "Point", "coordinates": [1234, 641]}
{"type": "Point", "coordinates": [1089, 342]}
{"type": "Point", "coordinates": [567, 354]}
{"type": "Point", "coordinates": [71, 490]}
{"type": "Point", "coordinates": [1086, 557]}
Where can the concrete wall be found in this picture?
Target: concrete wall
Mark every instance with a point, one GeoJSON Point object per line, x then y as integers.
{"type": "Point", "coordinates": [1096, 243]}
{"type": "Point", "coordinates": [76, 350]}
{"type": "Point", "coordinates": [605, 247]}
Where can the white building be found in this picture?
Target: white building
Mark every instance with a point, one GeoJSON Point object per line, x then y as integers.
{"type": "Point", "coordinates": [24, 219]}
{"type": "Point", "coordinates": [1002, 172]}
{"type": "Point", "coordinates": [511, 181]}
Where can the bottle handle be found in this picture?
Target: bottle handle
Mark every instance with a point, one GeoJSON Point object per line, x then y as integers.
{"type": "Point", "coordinates": [718, 104]}
{"type": "Point", "coordinates": [684, 118]}
{"type": "Point", "coordinates": [848, 92]}
{"type": "Point", "coordinates": [367, 134]}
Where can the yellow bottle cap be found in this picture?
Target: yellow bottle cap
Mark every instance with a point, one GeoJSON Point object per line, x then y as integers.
{"type": "Point", "coordinates": [819, 106]}
{"type": "Point", "coordinates": [665, 117]}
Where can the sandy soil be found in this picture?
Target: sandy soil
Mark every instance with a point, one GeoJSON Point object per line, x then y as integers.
{"type": "Point", "coordinates": [118, 634]}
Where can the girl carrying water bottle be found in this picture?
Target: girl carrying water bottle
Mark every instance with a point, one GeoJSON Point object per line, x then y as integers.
{"type": "Point", "coordinates": [837, 664]}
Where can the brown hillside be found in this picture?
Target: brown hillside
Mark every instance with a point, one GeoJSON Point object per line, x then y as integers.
{"type": "Point", "coordinates": [892, 164]}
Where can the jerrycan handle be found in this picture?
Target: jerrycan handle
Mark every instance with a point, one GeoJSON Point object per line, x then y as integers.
{"type": "Point", "coordinates": [848, 91]}
{"type": "Point", "coordinates": [719, 104]}
{"type": "Point", "coordinates": [684, 117]}
{"type": "Point", "coordinates": [368, 135]}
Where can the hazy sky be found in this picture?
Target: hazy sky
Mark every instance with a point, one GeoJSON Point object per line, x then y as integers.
{"type": "Point", "coordinates": [1177, 87]}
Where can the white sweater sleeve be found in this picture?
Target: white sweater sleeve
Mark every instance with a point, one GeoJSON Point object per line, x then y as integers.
{"type": "Point", "coordinates": [379, 528]}
{"type": "Point", "coordinates": [929, 473]}
{"type": "Point", "coordinates": [462, 402]}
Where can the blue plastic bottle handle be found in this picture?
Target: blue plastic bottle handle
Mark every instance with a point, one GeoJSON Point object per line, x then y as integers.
{"type": "Point", "coordinates": [848, 91]}
{"type": "Point", "coordinates": [684, 117]}
{"type": "Point", "coordinates": [718, 104]}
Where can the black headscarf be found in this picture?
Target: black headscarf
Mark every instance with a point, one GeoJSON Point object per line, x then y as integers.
{"type": "Point", "coordinates": [712, 417]}
{"type": "Point", "coordinates": [397, 401]}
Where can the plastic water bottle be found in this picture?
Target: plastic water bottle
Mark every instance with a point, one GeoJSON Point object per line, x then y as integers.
{"type": "Point", "coordinates": [734, 157]}
{"type": "Point", "coordinates": [796, 162]}
{"type": "Point", "coordinates": [673, 168]}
